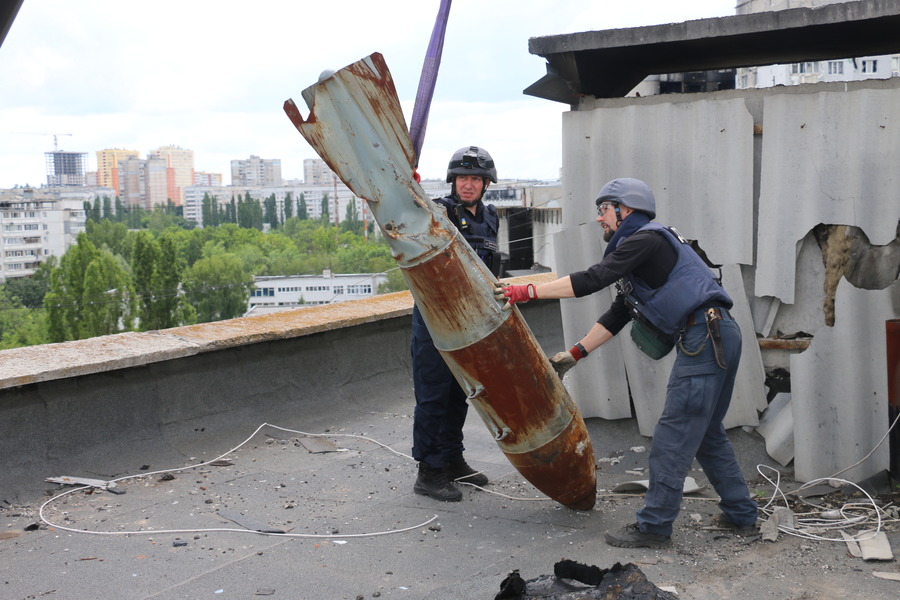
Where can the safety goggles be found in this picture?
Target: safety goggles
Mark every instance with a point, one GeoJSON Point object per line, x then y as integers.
{"type": "Point", "coordinates": [602, 206]}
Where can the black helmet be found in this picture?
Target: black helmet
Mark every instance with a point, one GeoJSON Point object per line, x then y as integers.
{"type": "Point", "coordinates": [633, 193]}
{"type": "Point", "coordinates": [472, 160]}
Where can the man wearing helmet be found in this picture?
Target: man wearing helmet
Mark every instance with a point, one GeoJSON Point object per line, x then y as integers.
{"type": "Point", "coordinates": [673, 299]}
{"type": "Point", "coordinates": [441, 405]}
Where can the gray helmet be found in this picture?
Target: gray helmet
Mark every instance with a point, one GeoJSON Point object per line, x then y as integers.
{"type": "Point", "coordinates": [633, 193]}
{"type": "Point", "coordinates": [472, 160]}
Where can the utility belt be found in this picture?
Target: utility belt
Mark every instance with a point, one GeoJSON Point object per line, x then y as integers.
{"type": "Point", "coordinates": [699, 315]}
{"type": "Point", "coordinates": [482, 243]}
{"type": "Point", "coordinates": [710, 315]}
{"type": "Point", "coordinates": [656, 344]}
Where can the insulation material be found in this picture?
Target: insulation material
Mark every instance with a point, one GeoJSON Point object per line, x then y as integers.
{"type": "Point", "coordinates": [696, 156]}
{"type": "Point", "coordinates": [839, 389]}
{"type": "Point", "coordinates": [823, 162]}
{"type": "Point", "coordinates": [776, 425]}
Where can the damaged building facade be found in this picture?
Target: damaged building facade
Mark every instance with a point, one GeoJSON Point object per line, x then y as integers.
{"type": "Point", "coordinates": [792, 189]}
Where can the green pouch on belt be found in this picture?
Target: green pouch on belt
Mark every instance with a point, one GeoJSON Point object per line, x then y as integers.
{"type": "Point", "coordinates": [651, 342]}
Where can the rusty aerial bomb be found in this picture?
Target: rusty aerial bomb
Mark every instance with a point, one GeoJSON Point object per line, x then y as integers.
{"type": "Point", "coordinates": [356, 125]}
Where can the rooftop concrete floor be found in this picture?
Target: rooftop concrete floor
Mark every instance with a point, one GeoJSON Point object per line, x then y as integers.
{"type": "Point", "coordinates": [356, 530]}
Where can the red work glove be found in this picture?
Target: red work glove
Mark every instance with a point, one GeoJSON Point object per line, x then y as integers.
{"type": "Point", "coordinates": [514, 293]}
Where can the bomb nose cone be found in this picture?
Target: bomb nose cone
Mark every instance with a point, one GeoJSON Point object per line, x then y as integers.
{"type": "Point", "coordinates": [586, 502]}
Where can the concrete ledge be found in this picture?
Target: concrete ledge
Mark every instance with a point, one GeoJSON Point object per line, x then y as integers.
{"type": "Point", "coordinates": [35, 364]}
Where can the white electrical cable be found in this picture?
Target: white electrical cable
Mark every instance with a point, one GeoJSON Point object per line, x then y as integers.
{"type": "Point", "coordinates": [50, 523]}
{"type": "Point", "coordinates": [808, 528]}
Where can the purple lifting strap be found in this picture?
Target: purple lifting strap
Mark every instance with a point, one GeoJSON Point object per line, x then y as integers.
{"type": "Point", "coordinates": [428, 79]}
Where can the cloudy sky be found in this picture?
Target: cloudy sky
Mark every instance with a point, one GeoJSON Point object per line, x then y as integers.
{"type": "Point", "coordinates": [212, 75]}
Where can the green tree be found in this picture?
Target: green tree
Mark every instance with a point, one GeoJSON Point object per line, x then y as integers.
{"type": "Point", "coordinates": [120, 210]}
{"type": "Point", "coordinates": [107, 208]}
{"type": "Point", "coordinates": [166, 215]}
{"type": "Point", "coordinates": [253, 259]}
{"type": "Point", "coordinates": [232, 216]}
{"type": "Point", "coordinates": [243, 212]}
{"type": "Point", "coordinates": [289, 261]}
{"type": "Point", "coordinates": [113, 236]}
{"type": "Point", "coordinates": [145, 261]}
{"type": "Point", "coordinates": [325, 217]}
{"type": "Point", "coordinates": [108, 298]}
{"type": "Point", "coordinates": [90, 294]}
{"type": "Point", "coordinates": [352, 221]}
{"type": "Point", "coordinates": [163, 303]}
{"type": "Point", "coordinates": [218, 287]}
{"type": "Point", "coordinates": [30, 291]}
{"type": "Point", "coordinates": [396, 282]}
{"type": "Point", "coordinates": [20, 326]}
{"type": "Point", "coordinates": [97, 210]}
{"type": "Point", "coordinates": [270, 212]}
{"type": "Point", "coordinates": [302, 212]}
{"type": "Point", "coordinates": [209, 211]}
{"type": "Point", "coordinates": [173, 308]}
{"type": "Point", "coordinates": [288, 207]}
{"type": "Point", "coordinates": [134, 217]}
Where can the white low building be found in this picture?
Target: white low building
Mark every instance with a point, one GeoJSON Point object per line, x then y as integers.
{"type": "Point", "coordinates": [273, 294]}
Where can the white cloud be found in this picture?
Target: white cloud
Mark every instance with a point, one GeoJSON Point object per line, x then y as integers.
{"type": "Point", "coordinates": [212, 75]}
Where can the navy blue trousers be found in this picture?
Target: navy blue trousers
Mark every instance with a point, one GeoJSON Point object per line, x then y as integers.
{"type": "Point", "coordinates": [441, 405]}
{"type": "Point", "coordinates": [697, 398]}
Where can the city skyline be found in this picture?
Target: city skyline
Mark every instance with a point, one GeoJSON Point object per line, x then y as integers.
{"type": "Point", "coordinates": [212, 77]}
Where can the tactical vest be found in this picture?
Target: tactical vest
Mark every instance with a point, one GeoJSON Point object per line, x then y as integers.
{"type": "Point", "coordinates": [691, 285]}
{"type": "Point", "coordinates": [481, 236]}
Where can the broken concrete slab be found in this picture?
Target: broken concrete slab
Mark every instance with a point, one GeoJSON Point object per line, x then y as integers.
{"type": "Point", "coordinates": [781, 517]}
{"type": "Point", "coordinates": [635, 487]}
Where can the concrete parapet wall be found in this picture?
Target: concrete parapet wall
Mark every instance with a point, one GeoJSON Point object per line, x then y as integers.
{"type": "Point", "coordinates": [99, 407]}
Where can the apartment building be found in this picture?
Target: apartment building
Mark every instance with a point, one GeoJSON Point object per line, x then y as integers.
{"type": "Point", "coordinates": [841, 69]}
{"type": "Point", "coordinates": [35, 224]}
{"type": "Point", "coordinates": [65, 168]}
{"type": "Point", "coordinates": [256, 171]}
{"type": "Point", "coordinates": [207, 179]}
{"type": "Point", "coordinates": [273, 294]}
{"type": "Point", "coordinates": [505, 193]}
{"type": "Point", "coordinates": [316, 172]}
{"type": "Point", "coordinates": [108, 165]}
{"type": "Point", "coordinates": [144, 182]}
{"type": "Point", "coordinates": [179, 171]}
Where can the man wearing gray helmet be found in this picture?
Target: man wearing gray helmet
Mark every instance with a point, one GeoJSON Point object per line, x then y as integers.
{"type": "Point", "coordinates": [673, 299]}
{"type": "Point", "coordinates": [441, 405]}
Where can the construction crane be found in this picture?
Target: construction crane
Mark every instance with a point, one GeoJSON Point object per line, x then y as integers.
{"type": "Point", "coordinates": [55, 135]}
{"type": "Point", "coordinates": [55, 145]}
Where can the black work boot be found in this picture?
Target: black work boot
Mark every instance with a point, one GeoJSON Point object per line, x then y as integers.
{"type": "Point", "coordinates": [725, 523]}
{"type": "Point", "coordinates": [436, 484]}
{"type": "Point", "coordinates": [631, 536]}
{"type": "Point", "coordinates": [461, 471]}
